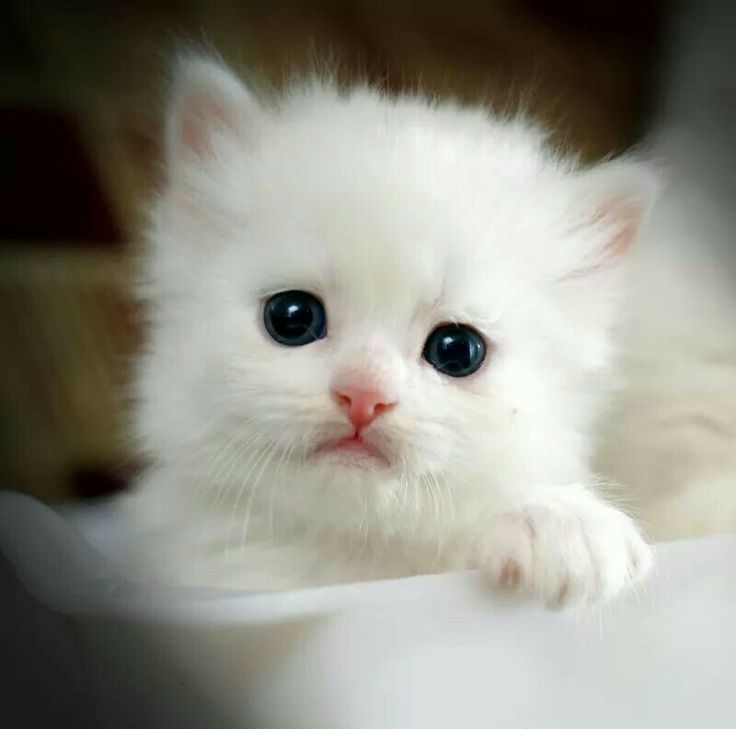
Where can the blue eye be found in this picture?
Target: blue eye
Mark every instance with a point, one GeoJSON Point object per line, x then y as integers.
{"type": "Point", "coordinates": [455, 350]}
{"type": "Point", "coordinates": [295, 318]}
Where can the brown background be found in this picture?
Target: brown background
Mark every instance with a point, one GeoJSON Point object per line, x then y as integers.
{"type": "Point", "coordinates": [80, 109]}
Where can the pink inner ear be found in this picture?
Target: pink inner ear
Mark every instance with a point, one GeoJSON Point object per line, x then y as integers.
{"type": "Point", "coordinates": [623, 216]}
{"type": "Point", "coordinates": [198, 116]}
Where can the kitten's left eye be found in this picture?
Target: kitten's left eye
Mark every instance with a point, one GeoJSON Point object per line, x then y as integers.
{"type": "Point", "coordinates": [295, 318]}
{"type": "Point", "coordinates": [455, 350]}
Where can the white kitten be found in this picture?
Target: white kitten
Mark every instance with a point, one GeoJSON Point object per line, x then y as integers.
{"type": "Point", "coordinates": [308, 417]}
{"type": "Point", "coordinates": [671, 435]}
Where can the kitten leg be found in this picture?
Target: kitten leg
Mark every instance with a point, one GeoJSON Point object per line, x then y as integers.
{"type": "Point", "coordinates": [566, 547]}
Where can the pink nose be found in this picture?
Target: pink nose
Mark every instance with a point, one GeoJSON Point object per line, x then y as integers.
{"type": "Point", "coordinates": [363, 405]}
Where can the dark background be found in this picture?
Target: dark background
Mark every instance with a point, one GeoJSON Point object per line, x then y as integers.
{"type": "Point", "coordinates": [80, 111]}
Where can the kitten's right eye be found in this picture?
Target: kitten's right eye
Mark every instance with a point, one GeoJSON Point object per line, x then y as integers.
{"type": "Point", "coordinates": [295, 318]}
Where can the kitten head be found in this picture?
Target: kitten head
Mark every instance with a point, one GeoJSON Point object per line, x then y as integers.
{"type": "Point", "coordinates": [360, 303]}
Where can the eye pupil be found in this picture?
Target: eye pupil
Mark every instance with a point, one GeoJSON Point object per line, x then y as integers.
{"type": "Point", "coordinates": [455, 350]}
{"type": "Point", "coordinates": [295, 318]}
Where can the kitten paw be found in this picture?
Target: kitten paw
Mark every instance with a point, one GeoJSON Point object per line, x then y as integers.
{"type": "Point", "coordinates": [563, 554]}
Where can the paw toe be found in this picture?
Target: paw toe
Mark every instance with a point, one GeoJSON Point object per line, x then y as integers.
{"type": "Point", "coordinates": [510, 576]}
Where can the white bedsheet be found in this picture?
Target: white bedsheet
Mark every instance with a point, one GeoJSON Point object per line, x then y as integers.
{"type": "Point", "coordinates": [422, 652]}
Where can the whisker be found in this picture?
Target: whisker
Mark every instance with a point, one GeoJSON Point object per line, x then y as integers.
{"type": "Point", "coordinates": [224, 483]}
{"type": "Point", "coordinates": [440, 515]}
{"type": "Point", "coordinates": [253, 463]}
{"type": "Point", "coordinates": [429, 490]}
{"type": "Point", "coordinates": [224, 486]}
{"type": "Point", "coordinates": [271, 451]}
{"type": "Point", "coordinates": [226, 460]}
{"type": "Point", "coordinates": [218, 454]}
{"type": "Point", "coordinates": [277, 482]}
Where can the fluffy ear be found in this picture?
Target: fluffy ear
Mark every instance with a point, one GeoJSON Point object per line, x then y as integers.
{"type": "Point", "coordinates": [208, 100]}
{"type": "Point", "coordinates": [612, 201]}
{"type": "Point", "coordinates": [609, 204]}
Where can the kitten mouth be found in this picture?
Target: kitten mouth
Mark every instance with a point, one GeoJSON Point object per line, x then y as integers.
{"type": "Point", "coordinates": [352, 449]}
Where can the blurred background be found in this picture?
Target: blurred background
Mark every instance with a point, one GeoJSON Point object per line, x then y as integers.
{"type": "Point", "coordinates": [80, 113]}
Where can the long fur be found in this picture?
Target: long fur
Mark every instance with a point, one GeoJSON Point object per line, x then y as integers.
{"type": "Point", "coordinates": [400, 214]}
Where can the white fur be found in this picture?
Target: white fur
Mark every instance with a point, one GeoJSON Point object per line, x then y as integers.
{"type": "Point", "coordinates": [399, 214]}
{"type": "Point", "coordinates": [670, 436]}
{"type": "Point", "coordinates": [671, 433]}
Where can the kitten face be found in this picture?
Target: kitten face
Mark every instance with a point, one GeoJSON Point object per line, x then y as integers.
{"type": "Point", "coordinates": [397, 219]}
